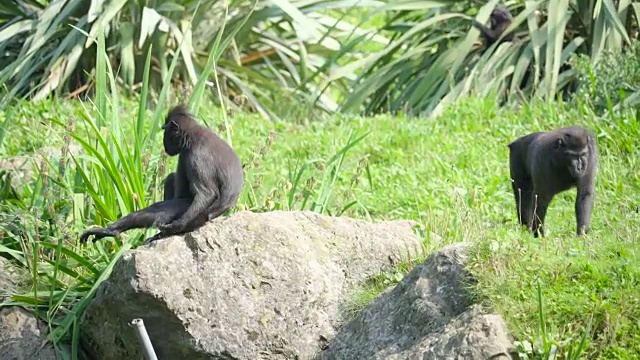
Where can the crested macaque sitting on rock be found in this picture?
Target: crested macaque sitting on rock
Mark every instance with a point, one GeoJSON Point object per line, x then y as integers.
{"type": "Point", "coordinates": [207, 182]}
{"type": "Point", "coordinates": [500, 19]}
{"type": "Point", "coordinates": [543, 164]}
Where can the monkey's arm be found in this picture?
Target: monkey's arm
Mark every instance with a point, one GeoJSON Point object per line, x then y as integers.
{"type": "Point", "coordinates": [490, 35]}
{"type": "Point", "coordinates": [584, 203]}
{"type": "Point", "coordinates": [586, 189]}
{"type": "Point", "coordinates": [158, 213]}
{"type": "Point", "coordinates": [198, 210]}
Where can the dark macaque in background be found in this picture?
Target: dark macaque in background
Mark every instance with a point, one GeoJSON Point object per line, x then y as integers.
{"type": "Point", "coordinates": [544, 164]}
{"type": "Point", "coordinates": [500, 19]}
{"type": "Point", "coordinates": [207, 182]}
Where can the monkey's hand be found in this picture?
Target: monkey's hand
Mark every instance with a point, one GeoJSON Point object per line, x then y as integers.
{"type": "Point", "coordinates": [171, 228]}
{"type": "Point", "coordinates": [154, 238]}
{"type": "Point", "coordinates": [477, 24]}
{"type": "Point", "coordinates": [98, 233]}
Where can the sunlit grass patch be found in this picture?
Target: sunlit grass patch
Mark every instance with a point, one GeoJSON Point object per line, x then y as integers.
{"type": "Point", "coordinates": [449, 174]}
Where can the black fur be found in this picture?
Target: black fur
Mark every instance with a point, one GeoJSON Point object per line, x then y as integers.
{"type": "Point", "coordinates": [500, 19]}
{"type": "Point", "coordinates": [543, 164]}
{"type": "Point", "coordinates": [207, 182]}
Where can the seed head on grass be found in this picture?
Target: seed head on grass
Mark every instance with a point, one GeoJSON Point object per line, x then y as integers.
{"type": "Point", "coordinates": [354, 182]}
{"type": "Point", "coordinates": [185, 94]}
{"type": "Point", "coordinates": [362, 164]}
{"type": "Point", "coordinates": [46, 190]}
{"type": "Point", "coordinates": [146, 157]}
{"type": "Point", "coordinates": [308, 186]}
{"type": "Point", "coordinates": [136, 201]}
{"type": "Point", "coordinates": [255, 162]}
{"type": "Point", "coordinates": [160, 173]}
{"type": "Point", "coordinates": [262, 151]}
{"type": "Point", "coordinates": [64, 151]}
{"type": "Point", "coordinates": [277, 198]}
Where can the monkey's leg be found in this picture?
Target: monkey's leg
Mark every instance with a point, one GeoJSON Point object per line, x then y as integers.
{"type": "Point", "coordinates": [215, 210]}
{"type": "Point", "coordinates": [522, 191]}
{"type": "Point", "coordinates": [218, 208]}
{"type": "Point", "coordinates": [541, 206]}
{"type": "Point", "coordinates": [169, 186]}
{"type": "Point", "coordinates": [212, 212]}
{"type": "Point", "coordinates": [194, 215]}
{"type": "Point", "coordinates": [158, 213]}
{"type": "Point", "coordinates": [195, 224]}
{"type": "Point", "coordinates": [584, 204]}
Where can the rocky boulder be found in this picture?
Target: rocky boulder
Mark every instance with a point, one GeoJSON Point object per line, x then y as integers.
{"type": "Point", "coordinates": [248, 286]}
{"type": "Point", "coordinates": [22, 335]}
{"type": "Point", "coordinates": [7, 278]}
{"type": "Point", "coordinates": [428, 315]}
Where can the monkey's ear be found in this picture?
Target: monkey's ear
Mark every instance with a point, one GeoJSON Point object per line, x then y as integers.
{"type": "Point", "coordinates": [559, 143]}
{"type": "Point", "coordinates": [170, 125]}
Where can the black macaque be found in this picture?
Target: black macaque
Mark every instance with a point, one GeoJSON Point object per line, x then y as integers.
{"type": "Point", "coordinates": [500, 19]}
{"type": "Point", "coordinates": [207, 182]}
{"type": "Point", "coordinates": [543, 164]}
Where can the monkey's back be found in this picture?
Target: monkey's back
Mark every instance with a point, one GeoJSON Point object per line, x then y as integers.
{"type": "Point", "coordinates": [520, 152]}
{"type": "Point", "coordinates": [226, 166]}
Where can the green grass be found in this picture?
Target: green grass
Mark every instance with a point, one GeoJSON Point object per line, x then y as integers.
{"type": "Point", "coordinates": [450, 173]}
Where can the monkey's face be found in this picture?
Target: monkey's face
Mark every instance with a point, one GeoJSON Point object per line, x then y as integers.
{"type": "Point", "coordinates": [578, 164]}
{"type": "Point", "coordinates": [499, 16]}
{"type": "Point", "coordinates": [575, 154]}
{"type": "Point", "coordinates": [171, 139]}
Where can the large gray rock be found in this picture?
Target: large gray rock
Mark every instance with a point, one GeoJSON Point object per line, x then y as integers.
{"type": "Point", "coordinates": [23, 336]}
{"type": "Point", "coordinates": [428, 315]}
{"type": "Point", "coordinates": [7, 279]}
{"type": "Point", "coordinates": [472, 335]}
{"type": "Point", "coordinates": [249, 286]}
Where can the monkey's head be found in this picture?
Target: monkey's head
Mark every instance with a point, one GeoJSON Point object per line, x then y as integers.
{"type": "Point", "coordinates": [176, 126]}
{"type": "Point", "coordinates": [572, 149]}
{"type": "Point", "coordinates": [500, 15]}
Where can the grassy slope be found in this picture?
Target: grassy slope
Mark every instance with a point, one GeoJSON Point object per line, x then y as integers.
{"type": "Point", "coordinates": [452, 174]}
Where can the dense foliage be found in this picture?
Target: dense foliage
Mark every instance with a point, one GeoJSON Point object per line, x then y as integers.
{"type": "Point", "coordinates": [368, 56]}
{"type": "Point", "coordinates": [611, 83]}
{"type": "Point", "coordinates": [262, 50]}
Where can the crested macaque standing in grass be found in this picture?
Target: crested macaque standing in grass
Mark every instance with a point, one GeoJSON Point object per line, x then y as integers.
{"type": "Point", "coordinates": [500, 19]}
{"type": "Point", "coordinates": [207, 182]}
{"type": "Point", "coordinates": [544, 164]}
